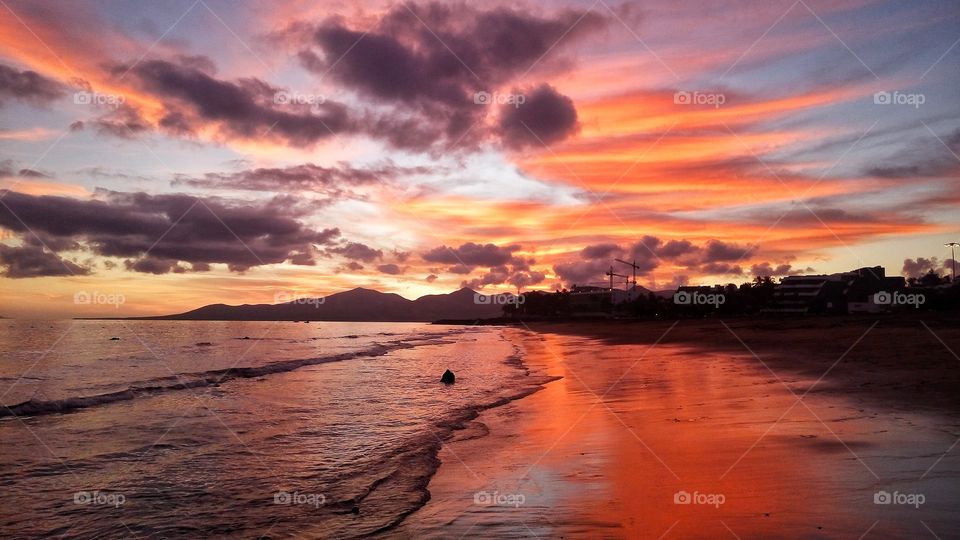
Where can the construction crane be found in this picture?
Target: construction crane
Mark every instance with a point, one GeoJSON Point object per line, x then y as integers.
{"type": "Point", "coordinates": [632, 265]}
{"type": "Point", "coordinates": [611, 273]}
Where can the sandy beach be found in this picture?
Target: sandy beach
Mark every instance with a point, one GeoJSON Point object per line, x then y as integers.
{"type": "Point", "coordinates": [714, 429]}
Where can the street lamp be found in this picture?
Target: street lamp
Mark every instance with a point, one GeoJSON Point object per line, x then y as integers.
{"type": "Point", "coordinates": [953, 257]}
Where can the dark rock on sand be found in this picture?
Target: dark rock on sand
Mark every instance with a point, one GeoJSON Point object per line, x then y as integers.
{"type": "Point", "coordinates": [448, 377]}
{"type": "Point", "coordinates": [114, 339]}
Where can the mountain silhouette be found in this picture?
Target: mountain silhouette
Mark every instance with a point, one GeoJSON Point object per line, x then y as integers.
{"type": "Point", "coordinates": [360, 305]}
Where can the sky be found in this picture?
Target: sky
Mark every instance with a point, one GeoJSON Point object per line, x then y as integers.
{"type": "Point", "coordinates": [160, 156]}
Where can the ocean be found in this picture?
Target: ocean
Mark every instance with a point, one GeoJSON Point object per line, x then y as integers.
{"type": "Point", "coordinates": [249, 429]}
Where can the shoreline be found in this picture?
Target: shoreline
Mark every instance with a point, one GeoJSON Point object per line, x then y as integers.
{"type": "Point", "coordinates": [691, 416]}
{"type": "Point", "coordinates": [465, 426]}
{"type": "Point", "coordinates": [908, 360]}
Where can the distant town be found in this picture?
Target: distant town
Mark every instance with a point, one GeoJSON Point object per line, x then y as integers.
{"type": "Point", "coordinates": [863, 290]}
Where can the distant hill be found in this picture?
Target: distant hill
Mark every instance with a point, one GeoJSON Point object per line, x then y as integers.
{"type": "Point", "coordinates": [354, 305]}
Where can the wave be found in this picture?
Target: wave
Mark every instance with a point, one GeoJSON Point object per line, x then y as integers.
{"type": "Point", "coordinates": [201, 379]}
{"type": "Point", "coordinates": [400, 482]}
{"type": "Point", "coordinates": [373, 496]}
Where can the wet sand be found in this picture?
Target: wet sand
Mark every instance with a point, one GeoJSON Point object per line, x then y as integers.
{"type": "Point", "coordinates": [636, 427]}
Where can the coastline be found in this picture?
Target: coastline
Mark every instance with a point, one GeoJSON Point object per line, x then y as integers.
{"type": "Point", "coordinates": [603, 451]}
{"type": "Point", "coordinates": [908, 361]}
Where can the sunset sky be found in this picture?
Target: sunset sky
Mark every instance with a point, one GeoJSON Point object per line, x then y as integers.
{"type": "Point", "coordinates": [182, 153]}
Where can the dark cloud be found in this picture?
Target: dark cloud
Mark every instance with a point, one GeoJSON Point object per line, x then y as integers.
{"type": "Point", "coordinates": [333, 183]}
{"type": "Point", "coordinates": [519, 264]}
{"type": "Point", "coordinates": [922, 265]}
{"type": "Point", "coordinates": [766, 269]}
{"type": "Point", "coordinates": [924, 158]}
{"type": "Point", "coordinates": [582, 272]}
{"type": "Point", "coordinates": [717, 251]}
{"type": "Point", "coordinates": [461, 269]}
{"type": "Point", "coordinates": [390, 268]}
{"type": "Point", "coordinates": [471, 255]}
{"type": "Point", "coordinates": [28, 86]}
{"type": "Point", "coordinates": [801, 217]}
{"type": "Point", "coordinates": [501, 274]}
{"type": "Point", "coordinates": [175, 227]}
{"type": "Point", "coordinates": [545, 117]}
{"type": "Point", "coordinates": [418, 72]}
{"type": "Point", "coordinates": [431, 278]}
{"type": "Point", "coordinates": [645, 253]}
{"type": "Point", "coordinates": [357, 252]}
{"type": "Point", "coordinates": [28, 261]}
{"type": "Point", "coordinates": [676, 248]}
{"type": "Point", "coordinates": [525, 279]}
{"type": "Point", "coordinates": [714, 257]}
{"type": "Point", "coordinates": [153, 265]}
{"type": "Point", "coordinates": [721, 268]}
{"type": "Point", "coordinates": [496, 276]}
{"type": "Point", "coordinates": [30, 173]}
{"type": "Point", "coordinates": [124, 122]}
{"type": "Point", "coordinates": [8, 167]}
{"type": "Point", "coordinates": [601, 251]}
{"type": "Point", "coordinates": [245, 108]}
{"type": "Point", "coordinates": [430, 60]}
{"type": "Point", "coordinates": [504, 267]}
{"type": "Point", "coordinates": [198, 62]}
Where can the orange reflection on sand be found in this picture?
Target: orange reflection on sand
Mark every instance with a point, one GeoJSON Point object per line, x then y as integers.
{"type": "Point", "coordinates": [631, 433]}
